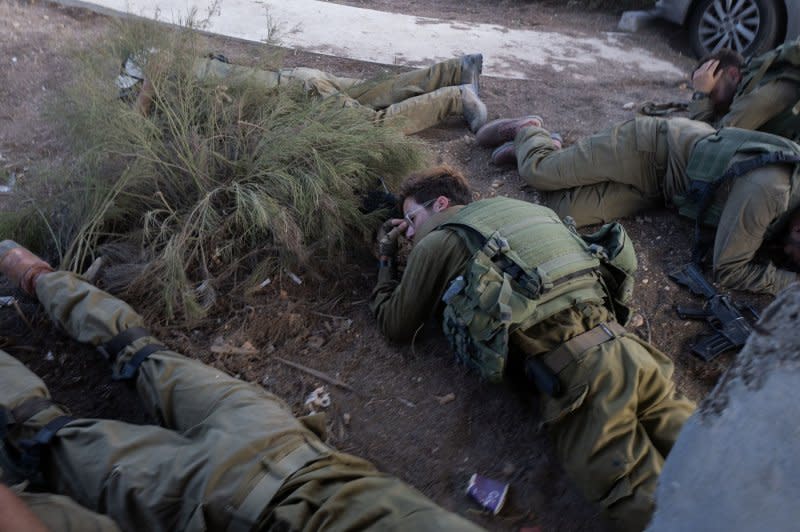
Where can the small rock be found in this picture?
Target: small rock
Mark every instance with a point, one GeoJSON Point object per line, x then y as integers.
{"type": "Point", "coordinates": [346, 417]}
{"type": "Point", "coordinates": [497, 183]}
{"type": "Point", "coordinates": [645, 281]}
{"type": "Point", "coordinates": [628, 106]}
{"type": "Point", "coordinates": [636, 321]}
{"type": "Point", "coordinates": [49, 356]}
{"type": "Point", "coordinates": [319, 398]}
{"type": "Point", "coordinates": [444, 399]}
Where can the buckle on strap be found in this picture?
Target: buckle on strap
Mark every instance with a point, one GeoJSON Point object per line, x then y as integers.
{"type": "Point", "coordinates": [114, 347]}
{"type": "Point", "coordinates": [563, 355]}
{"type": "Point", "coordinates": [131, 367]}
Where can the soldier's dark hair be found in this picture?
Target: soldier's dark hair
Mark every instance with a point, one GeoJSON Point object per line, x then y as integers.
{"type": "Point", "coordinates": [438, 181]}
{"type": "Point", "coordinates": [726, 57]}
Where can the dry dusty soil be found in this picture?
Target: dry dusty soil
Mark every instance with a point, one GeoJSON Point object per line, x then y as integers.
{"type": "Point", "coordinates": [398, 415]}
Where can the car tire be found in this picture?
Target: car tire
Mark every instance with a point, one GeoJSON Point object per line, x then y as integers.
{"type": "Point", "coordinates": [759, 19]}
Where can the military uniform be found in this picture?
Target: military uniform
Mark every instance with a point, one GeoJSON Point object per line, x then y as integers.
{"type": "Point", "coordinates": [619, 412]}
{"type": "Point", "coordinates": [416, 100]}
{"type": "Point", "coordinates": [767, 99]}
{"type": "Point", "coordinates": [647, 162]}
{"type": "Point", "coordinates": [228, 455]}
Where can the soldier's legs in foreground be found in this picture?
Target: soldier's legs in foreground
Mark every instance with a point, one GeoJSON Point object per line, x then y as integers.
{"type": "Point", "coordinates": [625, 153]}
{"type": "Point", "coordinates": [60, 513]}
{"type": "Point", "coordinates": [603, 445]}
{"type": "Point", "coordinates": [379, 93]}
{"type": "Point", "coordinates": [593, 204]}
{"type": "Point", "coordinates": [18, 384]}
{"type": "Point", "coordinates": [235, 447]}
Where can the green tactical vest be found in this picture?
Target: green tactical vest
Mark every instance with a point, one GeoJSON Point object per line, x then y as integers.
{"type": "Point", "coordinates": [526, 266]}
{"type": "Point", "coordinates": [782, 63]}
{"type": "Point", "coordinates": [712, 156]}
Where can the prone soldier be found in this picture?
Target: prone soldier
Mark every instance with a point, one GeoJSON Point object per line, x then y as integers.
{"type": "Point", "coordinates": [761, 94]}
{"type": "Point", "coordinates": [518, 291]}
{"type": "Point", "coordinates": [745, 183]}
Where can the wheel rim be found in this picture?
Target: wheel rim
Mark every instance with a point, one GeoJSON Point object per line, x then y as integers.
{"type": "Point", "coordinates": [729, 24]}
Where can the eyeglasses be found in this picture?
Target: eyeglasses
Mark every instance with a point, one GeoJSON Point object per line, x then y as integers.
{"type": "Point", "coordinates": [415, 211]}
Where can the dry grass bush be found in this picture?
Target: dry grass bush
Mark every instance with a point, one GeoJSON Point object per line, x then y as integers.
{"type": "Point", "coordinates": [220, 187]}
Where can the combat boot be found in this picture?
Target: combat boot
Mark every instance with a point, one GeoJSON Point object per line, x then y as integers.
{"type": "Point", "coordinates": [21, 266]}
{"type": "Point", "coordinates": [503, 130]}
{"type": "Point", "coordinates": [506, 153]}
{"type": "Point", "coordinates": [471, 68]}
{"type": "Point", "coordinates": [473, 108]}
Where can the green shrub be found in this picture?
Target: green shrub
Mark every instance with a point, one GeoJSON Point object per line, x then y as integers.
{"type": "Point", "coordinates": [221, 186]}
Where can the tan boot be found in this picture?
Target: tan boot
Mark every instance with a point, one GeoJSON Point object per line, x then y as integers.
{"type": "Point", "coordinates": [503, 130]}
{"type": "Point", "coordinates": [21, 266]}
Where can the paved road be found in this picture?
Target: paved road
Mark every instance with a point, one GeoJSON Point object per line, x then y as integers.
{"type": "Point", "coordinates": [391, 38]}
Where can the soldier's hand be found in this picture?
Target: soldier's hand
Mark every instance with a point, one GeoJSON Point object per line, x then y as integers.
{"type": "Point", "coordinates": [704, 79]}
{"type": "Point", "coordinates": [388, 235]}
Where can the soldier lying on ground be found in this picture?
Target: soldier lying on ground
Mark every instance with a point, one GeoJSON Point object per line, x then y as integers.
{"type": "Point", "coordinates": [762, 94]}
{"type": "Point", "coordinates": [228, 456]}
{"type": "Point", "coordinates": [646, 162]}
{"type": "Point", "coordinates": [518, 291]}
{"type": "Point", "coordinates": [416, 100]}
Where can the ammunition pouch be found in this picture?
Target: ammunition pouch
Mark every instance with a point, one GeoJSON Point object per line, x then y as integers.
{"type": "Point", "coordinates": [528, 270]}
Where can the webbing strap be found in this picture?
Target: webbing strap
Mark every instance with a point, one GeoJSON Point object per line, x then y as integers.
{"type": "Point", "coordinates": [563, 355]}
{"type": "Point", "coordinates": [29, 408]}
{"type": "Point", "coordinates": [249, 511]}
{"type": "Point", "coordinates": [114, 347]}
{"type": "Point", "coordinates": [735, 170]}
{"type": "Point", "coordinates": [130, 368]}
{"type": "Point", "coordinates": [32, 449]}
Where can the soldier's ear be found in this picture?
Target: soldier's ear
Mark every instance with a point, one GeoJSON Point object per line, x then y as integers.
{"type": "Point", "coordinates": [441, 203]}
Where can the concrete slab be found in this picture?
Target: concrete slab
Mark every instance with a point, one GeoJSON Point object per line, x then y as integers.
{"type": "Point", "coordinates": [735, 466]}
{"type": "Point", "coordinates": [633, 21]}
{"type": "Point", "coordinates": [391, 38]}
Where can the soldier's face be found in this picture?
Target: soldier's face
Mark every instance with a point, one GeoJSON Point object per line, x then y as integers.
{"type": "Point", "coordinates": [416, 215]}
{"type": "Point", "coordinates": [723, 92]}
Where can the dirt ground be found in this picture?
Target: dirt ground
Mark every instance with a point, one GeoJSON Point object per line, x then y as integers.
{"type": "Point", "coordinates": [398, 415]}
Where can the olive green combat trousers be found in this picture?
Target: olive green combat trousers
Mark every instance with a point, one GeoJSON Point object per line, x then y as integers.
{"type": "Point", "coordinates": [617, 418]}
{"type": "Point", "coordinates": [623, 170]}
{"type": "Point", "coordinates": [414, 101]}
{"type": "Point", "coordinates": [228, 455]}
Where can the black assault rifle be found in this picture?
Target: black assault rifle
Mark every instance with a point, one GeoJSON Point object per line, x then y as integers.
{"type": "Point", "coordinates": [724, 316]}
